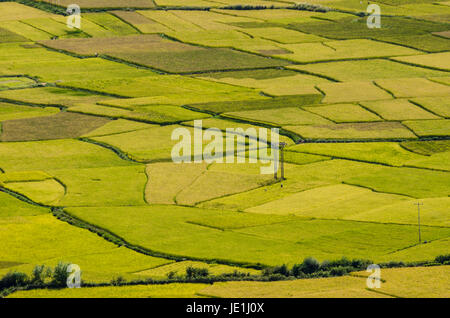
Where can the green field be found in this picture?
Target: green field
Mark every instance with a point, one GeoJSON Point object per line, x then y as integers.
{"type": "Point", "coordinates": [88, 123]}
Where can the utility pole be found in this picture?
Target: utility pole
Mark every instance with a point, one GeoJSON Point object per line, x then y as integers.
{"type": "Point", "coordinates": [282, 145]}
{"type": "Point", "coordinates": [418, 218]}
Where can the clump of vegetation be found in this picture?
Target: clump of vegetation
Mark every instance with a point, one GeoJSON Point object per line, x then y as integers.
{"type": "Point", "coordinates": [118, 281]}
{"type": "Point", "coordinates": [40, 274]}
{"type": "Point", "coordinates": [14, 279]}
{"type": "Point", "coordinates": [193, 273]}
{"type": "Point", "coordinates": [310, 7]}
{"type": "Point", "coordinates": [443, 259]}
{"type": "Point", "coordinates": [310, 267]}
{"type": "Point", "coordinates": [60, 275]}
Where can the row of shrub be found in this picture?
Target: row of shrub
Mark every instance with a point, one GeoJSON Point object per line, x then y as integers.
{"type": "Point", "coordinates": [46, 277]}
{"type": "Point", "coordinates": [41, 276]}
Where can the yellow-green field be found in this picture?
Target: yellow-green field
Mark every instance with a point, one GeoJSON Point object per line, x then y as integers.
{"type": "Point", "coordinates": [87, 122]}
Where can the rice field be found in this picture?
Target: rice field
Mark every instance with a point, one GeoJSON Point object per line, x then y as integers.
{"type": "Point", "coordinates": [86, 123]}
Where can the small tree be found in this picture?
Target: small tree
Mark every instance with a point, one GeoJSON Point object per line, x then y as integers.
{"type": "Point", "coordinates": [192, 272]}
{"type": "Point", "coordinates": [310, 265]}
{"type": "Point", "coordinates": [60, 275]}
{"type": "Point", "coordinates": [39, 274]}
{"type": "Point", "coordinates": [14, 279]}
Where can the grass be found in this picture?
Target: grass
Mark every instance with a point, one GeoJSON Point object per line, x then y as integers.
{"type": "Point", "coordinates": [179, 269]}
{"type": "Point", "coordinates": [110, 22]}
{"type": "Point", "coordinates": [14, 11]}
{"type": "Point", "coordinates": [399, 282]}
{"type": "Point", "coordinates": [438, 127]}
{"type": "Point", "coordinates": [50, 96]}
{"type": "Point", "coordinates": [413, 87]}
{"type": "Point", "coordinates": [153, 86]}
{"type": "Point", "coordinates": [54, 154]}
{"type": "Point", "coordinates": [344, 49]}
{"type": "Point", "coordinates": [433, 213]}
{"type": "Point", "coordinates": [436, 60]}
{"type": "Point", "coordinates": [198, 60]}
{"type": "Point", "coordinates": [427, 148]}
{"type": "Point", "coordinates": [438, 105]}
{"type": "Point", "coordinates": [213, 184]}
{"type": "Point", "coordinates": [389, 153]}
{"type": "Point", "coordinates": [353, 131]}
{"type": "Point", "coordinates": [364, 70]}
{"type": "Point", "coordinates": [139, 291]}
{"type": "Point", "coordinates": [108, 3]}
{"type": "Point", "coordinates": [166, 180]}
{"type": "Point", "coordinates": [293, 85]}
{"type": "Point", "coordinates": [405, 181]}
{"type": "Point", "coordinates": [8, 36]}
{"type": "Point", "coordinates": [267, 244]}
{"type": "Point", "coordinates": [27, 31]}
{"type": "Point", "coordinates": [118, 126]}
{"type": "Point", "coordinates": [46, 192]}
{"type": "Point", "coordinates": [398, 109]}
{"type": "Point", "coordinates": [12, 207]}
{"type": "Point", "coordinates": [11, 111]}
{"type": "Point", "coordinates": [352, 92]}
{"type": "Point", "coordinates": [276, 102]}
{"type": "Point", "coordinates": [63, 125]}
{"type": "Point", "coordinates": [289, 116]}
{"type": "Point", "coordinates": [110, 186]}
{"type": "Point", "coordinates": [331, 202]}
{"type": "Point", "coordinates": [343, 113]}
{"type": "Point", "coordinates": [99, 260]}
{"type": "Point", "coordinates": [400, 30]}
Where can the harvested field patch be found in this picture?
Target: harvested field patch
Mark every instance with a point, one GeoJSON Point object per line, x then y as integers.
{"type": "Point", "coordinates": [59, 126]}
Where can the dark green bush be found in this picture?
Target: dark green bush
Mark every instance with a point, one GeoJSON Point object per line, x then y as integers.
{"type": "Point", "coordinates": [442, 258]}
{"type": "Point", "coordinates": [60, 275]}
{"type": "Point", "coordinates": [39, 274]}
{"type": "Point", "coordinates": [310, 265]}
{"type": "Point", "coordinates": [192, 272]}
{"type": "Point", "coordinates": [14, 279]}
{"type": "Point", "coordinates": [118, 281]}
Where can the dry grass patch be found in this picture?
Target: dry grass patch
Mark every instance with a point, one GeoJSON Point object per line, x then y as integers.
{"type": "Point", "coordinates": [60, 126]}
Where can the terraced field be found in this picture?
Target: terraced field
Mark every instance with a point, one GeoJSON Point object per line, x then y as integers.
{"type": "Point", "coordinates": [86, 142]}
